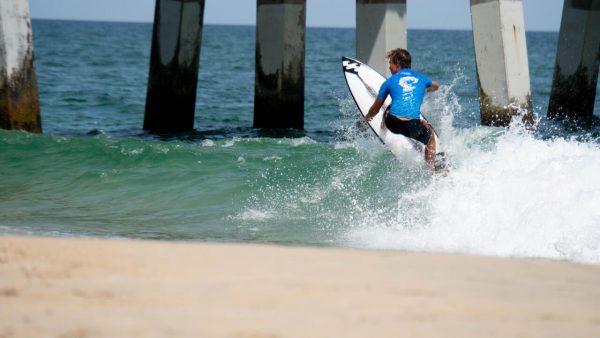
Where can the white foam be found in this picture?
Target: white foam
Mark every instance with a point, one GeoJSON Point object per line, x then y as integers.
{"type": "Point", "coordinates": [208, 143]}
{"type": "Point", "coordinates": [296, 142]}
{"type": "Point", "coordinates": [255, 215]}
{"type": "Point", "coordinates": [527, 197]}
{"type": "Point", "coordinates": [509, 194]}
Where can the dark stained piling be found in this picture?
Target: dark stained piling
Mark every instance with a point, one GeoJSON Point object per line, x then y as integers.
{"type": "Point", "coordinates": [501, 60]}
{"type": "Point", "coordinates": [280, 55]}
{"type": "Point", "coordinates": [174, 64]}
{"type": "Point", "coordinates": [577, 61]}
{"type": "Point", "coordinates": [380, 27]}
{"type": "Point", "coordinates": [19, 99]}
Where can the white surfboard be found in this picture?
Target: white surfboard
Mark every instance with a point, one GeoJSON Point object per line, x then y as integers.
{"type": "Point", "coordinates": [364, 83]}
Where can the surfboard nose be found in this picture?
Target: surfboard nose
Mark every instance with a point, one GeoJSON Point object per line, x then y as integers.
{"type": "Point", "coordinates": [349, 65]}
{"type": "Point", "coordinates": [349, 59]}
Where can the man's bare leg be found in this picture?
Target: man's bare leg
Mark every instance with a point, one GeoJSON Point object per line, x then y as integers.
{"type": "Point", "coordinates": [430, 153]}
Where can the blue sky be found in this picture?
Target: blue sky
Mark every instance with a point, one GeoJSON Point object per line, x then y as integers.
{"type": "Point", "coordinates": [540, 15]}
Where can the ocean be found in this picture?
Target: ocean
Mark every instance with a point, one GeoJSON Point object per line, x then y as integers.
{"type": "Point", "coordinates": [95, 173]}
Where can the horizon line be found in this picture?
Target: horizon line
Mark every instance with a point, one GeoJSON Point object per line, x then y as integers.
{"type": "Point", "coordinates": [254, 25]}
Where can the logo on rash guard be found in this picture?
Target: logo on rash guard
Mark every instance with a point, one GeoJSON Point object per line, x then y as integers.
{"type": "Point", "coordinates": [408, 83]}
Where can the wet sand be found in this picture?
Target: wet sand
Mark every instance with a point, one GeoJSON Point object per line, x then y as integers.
{"type": "Point", "coordinates": [56, 287]}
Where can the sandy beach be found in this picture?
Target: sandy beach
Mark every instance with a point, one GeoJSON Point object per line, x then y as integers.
{"type": "Point", "coordinates": [56, 287]}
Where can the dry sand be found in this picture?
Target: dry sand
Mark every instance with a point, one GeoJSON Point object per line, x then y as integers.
{"type": "Point", "coordinates": [100, 288]}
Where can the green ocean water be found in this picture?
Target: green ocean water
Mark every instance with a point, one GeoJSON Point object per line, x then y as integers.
{"type": "Point", "coordinates": [95, 173]}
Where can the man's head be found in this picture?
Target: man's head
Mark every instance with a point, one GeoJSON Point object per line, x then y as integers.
{"type": "Point", "coordinates": [399, 59]}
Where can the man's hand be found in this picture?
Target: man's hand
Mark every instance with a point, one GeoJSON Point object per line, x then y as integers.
{"type": "Point", "coordinates": [374, 109]}
{"type": "Point", "coordinates": [434, 86]}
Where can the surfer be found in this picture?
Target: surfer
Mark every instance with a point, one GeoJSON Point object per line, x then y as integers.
{"type": "Point", "coordinates": [407, 89]}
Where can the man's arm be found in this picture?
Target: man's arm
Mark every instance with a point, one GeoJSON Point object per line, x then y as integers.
{"type": "Point", "coordinates": [434, 86]}
{"type": "Point", "coordinates": [374, 109]}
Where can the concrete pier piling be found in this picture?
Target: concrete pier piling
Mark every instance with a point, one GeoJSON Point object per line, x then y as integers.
{"type": "Point", "coordinates": [280, 55]}
{"type": "Point", "coordinates": [577, 59]}
{"type": "Point", "coordinates": [501, 59]}
{"type": "Point", "coordinates": [19, 99]}
{"type": "Point", "coordinates": [380, 27]}
{"type": "Point", "coordinates": [174, 64]}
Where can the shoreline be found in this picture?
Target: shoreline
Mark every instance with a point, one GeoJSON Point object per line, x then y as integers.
{"type": "Point", "coordinates": [65, 287]}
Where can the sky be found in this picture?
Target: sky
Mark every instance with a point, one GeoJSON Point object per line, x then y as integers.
{"type": "Point", "coordinates": [540, 15]}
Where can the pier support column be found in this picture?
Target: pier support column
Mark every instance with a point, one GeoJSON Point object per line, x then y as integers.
{"type": "Point", "coordinates": [577, 59]}
{"type": "Point", "coordinates": [380, 27]}
{"type": "Point", "coordinates": [174, 63]}
{"type": "Point", "coordinates": [501, 58]}
{"type": "Point", "coordinates": [19, 99]}
{"type": "Point", "coordinates": [280, 54]}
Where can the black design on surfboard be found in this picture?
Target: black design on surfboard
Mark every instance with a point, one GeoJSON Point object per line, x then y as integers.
{"type": "Point", "coordinates": [350, 65]}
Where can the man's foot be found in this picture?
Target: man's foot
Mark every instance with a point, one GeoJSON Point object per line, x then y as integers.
{"type": "Point", "coordinates": [440, 166]}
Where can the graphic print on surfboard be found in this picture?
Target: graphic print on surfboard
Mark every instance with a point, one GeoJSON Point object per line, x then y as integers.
{"type": "Point", "coordinates": [364, 83]}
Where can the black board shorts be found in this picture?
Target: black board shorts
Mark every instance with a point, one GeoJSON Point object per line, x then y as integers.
{"type": "Point", "coordinates": [414, 128]}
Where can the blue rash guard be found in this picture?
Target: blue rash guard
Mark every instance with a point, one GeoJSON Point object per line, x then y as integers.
{"type": "Point", "coordinates": [407, 89]}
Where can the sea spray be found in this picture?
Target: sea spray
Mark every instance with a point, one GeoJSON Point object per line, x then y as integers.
{"type": "Point", "coordinates": [524, 197]}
